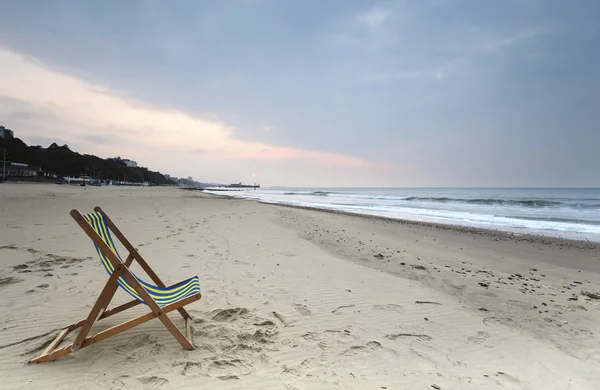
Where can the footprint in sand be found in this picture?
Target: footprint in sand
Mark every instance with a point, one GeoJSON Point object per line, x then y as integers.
{"type": "Point", "coordinates": [290, 375]}
{"type": "Point", "coordinates": [229, 315]}
{"type": "Point", "coordinates": [9, 280]}
{"type": "Point", "coordinates": [369, 347]}
{"type": "Point", "coordinates": [129, 382]}
{"type": "Point", "coordinates": [389, 306]}
{"type": "Point", "coordinates": [520, 304]}
{"type": "Point", "coordinates": [329, 340]}
{"type": "Point", "coordinates": [228, 331]}
{"type": "Point", "coordinates": [217, 368]}
{"type": "Point", "coordinates": [481, 338]}
{"type": "Point", "coordinates": [505, 380]}
{"type": "Point", "coordinates": [421, 337]}
{"type": "Point", "coordinates": [136, 342]}
{"type": "Point", "coordinates": [267, 323]}
{"type": "Point", "coordinates": [229, 369]}
{"type": "Point", "coordinates": [498, 320]}
{"type": "Point", "coordinates": [329, 334]}
{"type": "Point", "coordinates": [124, 382]}
{"type": "Point", "coordinates": [309, 363]}
{"type": "Point", "coordinates": [153, 382]}
{"type": "Point", "coordinates": [192, 369]}
{"type": "Point", "coordinates": [302, 309]}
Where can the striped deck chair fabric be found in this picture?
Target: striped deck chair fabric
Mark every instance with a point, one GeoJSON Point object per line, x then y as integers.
{"type": "Point", "coordinates": [162, 295]}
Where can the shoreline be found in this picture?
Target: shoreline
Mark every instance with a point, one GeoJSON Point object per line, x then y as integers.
{"type": "Point", "coordinates": [475, 231]}
{"type": "Point", "coordinates": [509, 220]}
{"type": "Point", "coordinates": [585, 244]}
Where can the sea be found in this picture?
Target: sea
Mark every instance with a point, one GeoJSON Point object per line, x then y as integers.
{"type": "Point", "coordinates": [558, 212]}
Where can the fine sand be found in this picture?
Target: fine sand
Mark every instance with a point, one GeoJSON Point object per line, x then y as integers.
{"type": "Point", "coordinates": [295, 298]}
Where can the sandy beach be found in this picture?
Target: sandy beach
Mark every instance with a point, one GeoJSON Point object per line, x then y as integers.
{"type": "Point", "coordinates": [296, 298]}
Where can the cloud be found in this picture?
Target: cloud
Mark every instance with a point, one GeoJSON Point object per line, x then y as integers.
{"type": "Point", "coordinates": [437, 73]}
{"type": "Point", "coordinates": [91, 117]}
{"type": "Point", "coordinates": [22, 115]}
{"type": "Point", "coordinates": [374, 17]}
{"type": "Point", "coordinates": [401, 75]}
{"type": "Point", "coordinates": [98, 139]}
{"type": "Point", "coordinates": [467, 54]}
{"type": "Point", "coordinates": [268, 128]}
{"type": "Point", "coordinates": [491, 45]}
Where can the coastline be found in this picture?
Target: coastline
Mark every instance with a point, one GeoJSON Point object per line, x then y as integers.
{"type": "Point", "coordinates": [298, 298]}
{"type": "Point", "coordinates": [476, 231]}
{"type": "Point", "coordinates": [556, 213]}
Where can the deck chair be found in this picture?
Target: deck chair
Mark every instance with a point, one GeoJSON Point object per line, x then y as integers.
{"type": "Point", "coordinates": [159, 298]}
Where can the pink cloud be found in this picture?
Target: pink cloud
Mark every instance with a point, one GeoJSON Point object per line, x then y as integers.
{"type": "Point", "coordinates": [93, 120]}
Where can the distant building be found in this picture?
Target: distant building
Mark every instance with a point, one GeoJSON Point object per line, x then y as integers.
{"type": "Point", "coordinates": [124, 161]}
{"type": "Point", "coordinates": [6, 133]}
{"type": "Point", "coordinates": [20, 169]}
{"type": "Point", "coordinates": [130, 163]}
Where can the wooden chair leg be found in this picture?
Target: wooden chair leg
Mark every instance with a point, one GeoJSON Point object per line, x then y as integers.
{"type": "Point", "coordinates": [49, 354]}
{"type": "Point", "coordinates": [188, 330]}
{"type": "Point", "coordinates": [97, 310]}
{"type": "Point", "coordinates": [61, 335]}
{"type": "Point", "coordinates": [185, 343]}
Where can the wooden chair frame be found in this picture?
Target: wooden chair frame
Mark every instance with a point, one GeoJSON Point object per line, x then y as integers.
{"type": "Point", "coordinates": [99, 310]}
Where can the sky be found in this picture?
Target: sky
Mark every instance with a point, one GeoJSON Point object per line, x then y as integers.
{"type": "Point", "coordinates": [435, 93]}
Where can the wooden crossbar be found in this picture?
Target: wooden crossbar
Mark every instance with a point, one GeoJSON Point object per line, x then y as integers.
{"type": "Point", "coordinates": [107, 313]}
{"type": "Point", "coordinates": [99, 310]}
{"type": "Point", "coordinates": [50, 354]}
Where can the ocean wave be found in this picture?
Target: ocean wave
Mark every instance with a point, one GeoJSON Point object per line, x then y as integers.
{"type": "Point", "coordinates": [532, 203]}
{"type": "Point", "coordinates": [492, 201]}
{"type": "Point", "coordinates": [315, 193]}
{"type": "Point", "coordinates": [346, 195]}
{"type": "Point", "coordinates": [555, 219]}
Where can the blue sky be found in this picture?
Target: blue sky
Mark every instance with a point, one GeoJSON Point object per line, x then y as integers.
{"type": "Point", "coordinates": [347, 93]}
